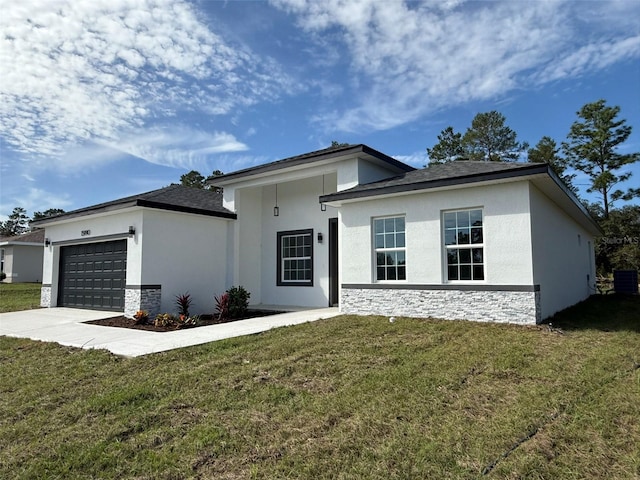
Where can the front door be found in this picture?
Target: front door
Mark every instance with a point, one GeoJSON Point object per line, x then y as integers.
{"type": "Point", "coordinates": [333, 262]}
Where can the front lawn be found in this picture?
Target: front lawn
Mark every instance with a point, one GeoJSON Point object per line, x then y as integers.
{"type": "Point", "coordinates": [19, 296]}
{"type": "Point", "coordinates": [349, 398]}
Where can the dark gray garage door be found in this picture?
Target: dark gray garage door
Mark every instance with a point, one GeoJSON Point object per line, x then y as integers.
{"type": "Point", "coordinates": [93, 275]}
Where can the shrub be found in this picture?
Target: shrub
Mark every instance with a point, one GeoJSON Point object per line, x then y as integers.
{"type": "Point", "coordinates": [141, 317]}
{"type": "Point", "coordinates": [167, 320]}
{"type": "Point", "coordinates": [238, 301]}
{"type": "Point", "coordinates": [183, 302]}
{"type": "Point", "coordinates": [2, 276]}
{"type": "Point", "coordinates": [222, 306]}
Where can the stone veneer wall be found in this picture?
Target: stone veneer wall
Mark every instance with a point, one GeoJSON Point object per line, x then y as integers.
{"type": "Point", "coordinates": [142, 297]}
{"type": "Point", "coordinates": [486, 305]}
{"type": "Point", "coordinates": [45, 296]}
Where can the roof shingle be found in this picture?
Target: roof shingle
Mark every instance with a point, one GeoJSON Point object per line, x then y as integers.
{"type": "Point", "coordinates": [174, 197]}
{"type": "Point", "coordinates": [439, 175]}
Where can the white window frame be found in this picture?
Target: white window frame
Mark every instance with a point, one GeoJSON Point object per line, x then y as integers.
{"type": "Point", "coordinates": [471, 259]}
{"type": "Point", "coordinates": [398, 236]}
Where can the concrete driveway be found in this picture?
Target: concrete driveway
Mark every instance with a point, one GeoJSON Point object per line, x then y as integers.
{"type": "Point", "coordinates": [65, 326]}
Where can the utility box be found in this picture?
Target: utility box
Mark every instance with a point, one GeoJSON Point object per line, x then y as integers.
{"type": "Point", "coordinates": [625, 281]}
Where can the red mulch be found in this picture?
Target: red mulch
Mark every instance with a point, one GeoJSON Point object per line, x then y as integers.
{"type": "Point", "coordinates": [124, 322]}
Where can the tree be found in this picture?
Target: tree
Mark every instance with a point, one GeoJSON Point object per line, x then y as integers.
{"type": "Point", "coordinates": [16, 224]}
{"type": "Point", "coordinates": [546, 151]}
{"type": "Point", "coordinates": [619, 248]}
{"type": "Point", "coordinates": [591, 148]}
{"type": "Point", "coordinates": [489, 139]}
{"type": "Point", "coordinates": [192, 179]}
{"type": "Point", "coordinates": [335, 143]}
{"type": "Point", "coordinates": [214, 174]}
{"type": "Point", "coordinates": [448, 148]}
{"type": "Point", "coordinates": [51, 212]}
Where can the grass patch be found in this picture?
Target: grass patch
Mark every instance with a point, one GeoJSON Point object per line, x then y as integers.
{"type": "Point", "coordinates": [19, 296]}
{"type": "Point", "coordinates": [349, 397]}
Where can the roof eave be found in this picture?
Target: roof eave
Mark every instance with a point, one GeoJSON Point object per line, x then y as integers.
{"type": "Point", "coordinates": [184, 209]}
{"type": "Point", "coordinates": [304, 160]}
{"type": "Point", "coordinates": [334, 198]}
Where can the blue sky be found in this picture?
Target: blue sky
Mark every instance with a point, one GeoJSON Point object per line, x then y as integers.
{"type": "Point", "coordinates": [108, 98]}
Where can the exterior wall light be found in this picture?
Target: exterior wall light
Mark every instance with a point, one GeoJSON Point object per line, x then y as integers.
{"type": "Point", "coordinates": [320, 237]}
{"type": "Point", "coordinates": [276, 210]}
{"type": "Point", "coordinates": [323, 207]}
{"type": "Point", "coordinates": [47, 242]}
{"type": "Point", "coordinates": [132, 230]}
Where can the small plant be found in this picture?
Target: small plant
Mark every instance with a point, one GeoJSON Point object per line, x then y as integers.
{"type": "Point", "coordinates": [165, 320]}
{"type": "Point", "coordinates": [234, 303]}
{"type": "Point", "coordinates": [238, 301]}
{"type": "Point", "coordinates": [141, 317]}
{"type": "Point", "coordinates": [222, 306]}
{"type": "Point", "coordinates": [183, 302]}
{"type": "Point", "coordinates": [2, 276]}
{"type": "Point", "coordinates": [185, 322]}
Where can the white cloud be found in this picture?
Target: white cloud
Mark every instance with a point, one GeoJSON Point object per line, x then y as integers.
{"type": "Point", "coordinates": [415, 159]}
{"type": "Point", "coordinates": [35, 199]}
{"type": "Point", "coordinates": [77, 72]}
{"type": "Point", "coordinates": [180, 147]}
{"type": "Point", "coordinates": [412, 59]}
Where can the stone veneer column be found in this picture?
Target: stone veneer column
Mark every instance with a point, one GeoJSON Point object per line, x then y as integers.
{"type": "Point", "coordinates": [45, 295]}
{"type": "Point", "coordinates": [142, 297]}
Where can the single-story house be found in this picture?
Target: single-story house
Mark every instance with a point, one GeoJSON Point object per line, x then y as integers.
{"type": "Point", "coordinates": [347, 226]}
{"type": "Point", "coordinates": [21, 257]}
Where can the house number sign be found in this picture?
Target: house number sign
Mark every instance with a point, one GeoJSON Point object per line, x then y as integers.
{"type": "Point", "coordinates": [84, 233]}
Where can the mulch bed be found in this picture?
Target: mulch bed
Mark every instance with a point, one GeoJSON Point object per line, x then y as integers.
{"type": "Point", "coordinates": [124, 322]}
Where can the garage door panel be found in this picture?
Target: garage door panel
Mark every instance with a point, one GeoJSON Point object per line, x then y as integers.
{"type": "Point", "coordinates": [93, 275]}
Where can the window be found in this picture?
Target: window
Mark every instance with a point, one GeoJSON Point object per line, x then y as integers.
{"type": "Point", "coordinates": [295, 258]}
{"type": "Point", "coordinates": [464, 244]}
{"type": "Point", "coordinates": [389, 248]}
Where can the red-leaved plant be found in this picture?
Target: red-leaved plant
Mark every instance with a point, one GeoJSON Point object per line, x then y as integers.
{"type": "Point", "coordinates": [184, 302]}
{"type": "Point", "coordinates": [222, 306]}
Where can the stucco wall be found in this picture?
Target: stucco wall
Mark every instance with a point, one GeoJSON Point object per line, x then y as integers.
{"type": "Point", "coordinates": [23, 263]}
{"type": "Point", "coordinates": [249, 242]}
{"type": "Point", "coordinates": [183, 253]}
{"type": "Point", "coordinates": [299, 209]}
{"type": "Point", "coordinates": [563, 256]}
{"type": "Point", "coordinates": [98, 226]}
{"type": "Point", "coordinates": [507, 250]}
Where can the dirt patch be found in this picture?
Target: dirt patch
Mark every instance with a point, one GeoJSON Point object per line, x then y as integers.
{"type": "Point", "coordinates": [124, 322]}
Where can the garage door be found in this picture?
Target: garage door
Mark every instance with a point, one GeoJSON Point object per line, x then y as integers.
{"type": "Point", "coordinates": [93, 275]}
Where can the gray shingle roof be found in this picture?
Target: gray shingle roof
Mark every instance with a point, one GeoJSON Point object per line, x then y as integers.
{"type": "Point", "coordinates": [324, 154]}
{"type": "Point", "coordinates": [176, 198]}
{"type": "Point", "coordinates": [36, 236]}
{"type": "Point", "coordinates": [452, 173]}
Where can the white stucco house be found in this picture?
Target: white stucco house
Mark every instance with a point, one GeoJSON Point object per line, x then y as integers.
{"type": "Point", "coordinates": [347, 226]}
{"type": "Point", "coordinates": [21, 257]}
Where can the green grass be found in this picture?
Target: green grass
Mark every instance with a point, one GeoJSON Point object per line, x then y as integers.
{"type": "Point", "coordinates": [19, 296]}
{"type": "Point", "coordinates": [346, 398]}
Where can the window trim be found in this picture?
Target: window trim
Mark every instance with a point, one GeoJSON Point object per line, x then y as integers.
{"type": "Point", "coordinates": [279, 280]}
{"type": "Point", "coordinates": [469, 246]}
{"type": "Point", "coordinates": [374, 250]}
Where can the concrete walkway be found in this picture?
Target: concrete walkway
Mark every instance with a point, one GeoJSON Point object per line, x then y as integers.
{"type": "Point", "coordinates": [64, 326]}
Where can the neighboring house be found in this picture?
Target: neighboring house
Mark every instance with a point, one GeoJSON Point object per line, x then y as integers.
{"type": "Point", "coordinates": [347, 226]}
{"type": "Point", "coordinates": [21, 257]}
